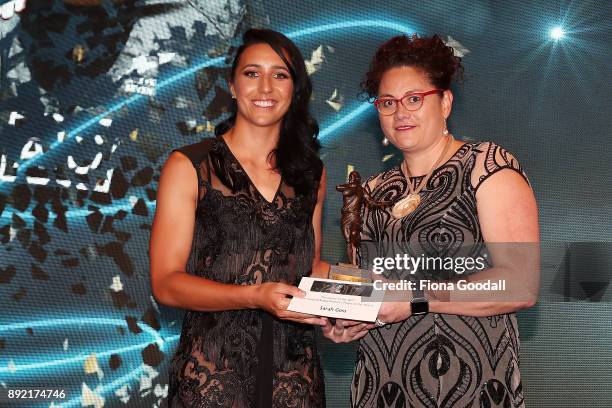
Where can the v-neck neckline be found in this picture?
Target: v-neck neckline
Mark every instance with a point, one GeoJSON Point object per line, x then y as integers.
{"type": "Point", "coordinates": [246, 174]}
{"type": "Point", "coordinates": [433, 171]}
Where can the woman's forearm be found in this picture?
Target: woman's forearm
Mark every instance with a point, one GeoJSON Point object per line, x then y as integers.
{"type": "Point", "coordinates": [182, 290]}
{"type": "Point", "coordinates": [320, 269]}
{"type": "Point", "coordinates": [520, 292]}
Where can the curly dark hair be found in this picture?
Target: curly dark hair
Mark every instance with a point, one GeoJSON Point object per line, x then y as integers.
{"type": "Point", "coordinates": [296, 154]}
{"type": "Point", "coordinates": [430, 54]}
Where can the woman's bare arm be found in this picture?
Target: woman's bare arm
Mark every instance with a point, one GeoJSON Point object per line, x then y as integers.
{"type": "Point", "coordinates": [320, 268]}
{"type": "Point", "coordinates": [170, 246]}
{"type": "Point", "coordinates": [508, 214]}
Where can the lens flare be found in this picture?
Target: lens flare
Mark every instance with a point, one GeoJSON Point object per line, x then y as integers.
{"type": "Point", "coordinates": [557, 33]}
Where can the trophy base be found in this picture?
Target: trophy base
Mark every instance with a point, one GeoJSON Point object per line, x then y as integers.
{"type": "Point", "coordinates": [350, 273]}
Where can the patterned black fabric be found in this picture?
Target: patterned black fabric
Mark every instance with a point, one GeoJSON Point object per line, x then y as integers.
{"type": "Point", "coordinates": [438, 360]}
{"type": "Point", "coordinates": [245, 358]}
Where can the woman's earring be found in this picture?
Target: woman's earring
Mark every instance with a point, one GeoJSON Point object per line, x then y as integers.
{"type": "Point", "coordinates": [385, 141]}
{"type": "Point", "coordinates": [445, 131]}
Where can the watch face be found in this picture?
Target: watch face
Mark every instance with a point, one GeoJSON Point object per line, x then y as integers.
{"type": "Point", "coordinates": [419, 306]}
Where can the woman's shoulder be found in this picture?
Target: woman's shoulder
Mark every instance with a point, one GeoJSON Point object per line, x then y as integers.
{"type": "Point", "coordinates": [489, 158]}
{"type": "Point", "coordinates": [197, 152]}
{"type": "Point", "coordinates": [489, 148]}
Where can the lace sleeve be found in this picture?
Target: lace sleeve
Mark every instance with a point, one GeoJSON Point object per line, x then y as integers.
{"type": "Point", "coordinates": [491, 158]}
{"type": "Point", "coordinates": [198, 155]}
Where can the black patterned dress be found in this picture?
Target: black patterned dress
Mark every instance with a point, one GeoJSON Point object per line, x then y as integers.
{"type": "Point", "coordinates": [438, 360]}
{"type": "Point", "coordinates": [245, 358]}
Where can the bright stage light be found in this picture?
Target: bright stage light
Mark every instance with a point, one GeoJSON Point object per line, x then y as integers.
{"type": "Point", "coordinates": [557, 33]}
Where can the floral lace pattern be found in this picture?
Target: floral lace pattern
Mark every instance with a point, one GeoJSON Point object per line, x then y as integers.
{"type": "Point", "coordinates": [245, 358]}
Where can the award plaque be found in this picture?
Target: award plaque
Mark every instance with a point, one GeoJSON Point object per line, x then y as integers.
{"type": "Point", "coordinates": [349, 292]}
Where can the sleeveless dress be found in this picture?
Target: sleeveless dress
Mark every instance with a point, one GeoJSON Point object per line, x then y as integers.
{"type": "Point", "coordinates": [245, 358]}
{"type": "Point", "coordinates": [438, 360]}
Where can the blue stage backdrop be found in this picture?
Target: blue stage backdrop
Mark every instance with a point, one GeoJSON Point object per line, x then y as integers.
{"type": "Point", "coordinates": [96, 93]}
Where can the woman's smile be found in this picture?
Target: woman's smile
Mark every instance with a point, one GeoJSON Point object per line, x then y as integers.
{"type": "Point", "coordinates": [264, 103]}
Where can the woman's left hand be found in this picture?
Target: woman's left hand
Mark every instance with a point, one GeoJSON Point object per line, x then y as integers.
{"type": "Point", "coordinates": [392, 312]}
{"type": "Point", "coordinates": [345, 331]}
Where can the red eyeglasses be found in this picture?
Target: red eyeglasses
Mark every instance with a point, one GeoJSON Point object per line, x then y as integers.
{"type": "Point", "coordinates": [412, 102]}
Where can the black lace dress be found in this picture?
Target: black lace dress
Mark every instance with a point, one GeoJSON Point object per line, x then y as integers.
{"type": "Point", "coordinates": [245, 358]}
{"type": "Point", "coordinates": [438, 360]}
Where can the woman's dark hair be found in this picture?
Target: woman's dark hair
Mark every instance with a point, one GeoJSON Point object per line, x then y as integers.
{"type": "Point", "coordinates": [296, 155]}
{"type": "Point", "coordinates": [429, 54]}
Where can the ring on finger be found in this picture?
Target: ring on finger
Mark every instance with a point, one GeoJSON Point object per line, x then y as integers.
{"type": "Point", "coordinates": [379, 323]}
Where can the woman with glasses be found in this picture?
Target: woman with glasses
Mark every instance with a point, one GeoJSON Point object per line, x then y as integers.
{"type": "Point", "coordinates": [432, 348]}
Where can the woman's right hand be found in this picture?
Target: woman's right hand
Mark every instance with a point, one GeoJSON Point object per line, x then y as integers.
{"type": "Point", "coordinates": [273, 298]}
{"type": "Point", "coordinates": [345, 331]}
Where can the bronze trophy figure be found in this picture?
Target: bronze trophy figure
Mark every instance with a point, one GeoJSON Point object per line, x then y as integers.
{"type": "Point", "coordinates": [354, 196]}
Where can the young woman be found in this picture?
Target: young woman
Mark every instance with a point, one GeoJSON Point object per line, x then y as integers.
{"type": "Point", "coordinates": [237, 225]}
